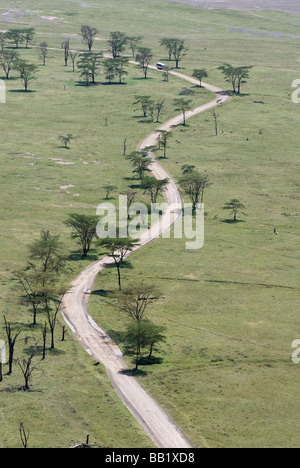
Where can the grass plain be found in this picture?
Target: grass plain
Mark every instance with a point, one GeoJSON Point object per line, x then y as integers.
{"type": "Point", "coordinates": [231, 308]}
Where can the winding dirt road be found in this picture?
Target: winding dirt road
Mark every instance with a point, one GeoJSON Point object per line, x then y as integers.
{"type": "Point", "coordinates": [154, 420]}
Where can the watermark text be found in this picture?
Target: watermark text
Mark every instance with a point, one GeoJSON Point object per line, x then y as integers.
{"type": "Point", "coordinates": [2, 352]}
{"type": "Point", "coordinates": [162, 220]}
{"type": "Point", "coordinates": [296, 352]}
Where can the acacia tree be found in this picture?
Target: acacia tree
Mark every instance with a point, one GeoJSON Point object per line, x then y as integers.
{"type": "Point", "coordinates": [154, 187]}
{"type": "Point", "coordinates": [179, 51]}
{"type": "Point", "coordinates": [164, 137]}
{"type": "Point", "coordinates": [130, 195]}
{"type": "Point", "coordinates": [88, 35]}
{"type": "Point", "coordinates": [8, 60]}
{"type": "Point", "coordinates": [140, 162]}
{"type": "Point", "coordinates": [144, 58]}
{"type": "Point", "coordinates": [46, 258]}
{"type": "Point", "coordinates": [28, 34]}
{"type": "Point", "coordinates": [145, 102]}
{"type": "Point", "coordinates": [133, 42]}
{"type": "Point", "coordinates": [93, 62]}
{"type": "Point", "coordinates": [199, 75]}
{"type": "Point", "coordinates": [108, 190]}
{"type": "Point", "coordinates": [237, 76]}
{"type": "Point", "coordinates": [118, 248]}
{"type": "Point", "coordinates": [15, 36]}
{"type": "Point", "coordinates": [89, 65]}
{"type": "Point", "coordinates": [83, 229]}
{"type": "Point", "coordinates": [66, 139]}
{"type": "Point", "coordinates": [136, 298]}
{"type": "Point", "coordinates": [168, 44]}
{"type": "Point", "coordinates": [182, 105]}
{"type": "Point", "coordinates": [27, 72]}
{"type": "Point", "coordinates": [120, 64]}
{"type": "Point", "coordinates": [109, 69]}
{"type": "Point", "coordinates": [29, 280]}
{"type": "Point", "coordinates": [193, 184]}
{"type": "Point", "coordinates": [143, 336]}
{"type": "Point", "coordinates": [117, 42]}
{"type": "Point", "coordinates": [234, 206]}
{"type": "Point", "coordinates": [158, 108]}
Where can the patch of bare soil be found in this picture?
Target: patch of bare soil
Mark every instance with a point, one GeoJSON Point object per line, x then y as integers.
{"type": "Point", "coordinates": [11, 15]}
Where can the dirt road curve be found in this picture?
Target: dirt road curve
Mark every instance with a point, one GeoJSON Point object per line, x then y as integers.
{"type": "Point", "coordinates": [158, 425]}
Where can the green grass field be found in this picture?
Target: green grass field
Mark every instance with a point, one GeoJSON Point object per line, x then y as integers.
{"type": "Point", "coordinates": [231, 308]}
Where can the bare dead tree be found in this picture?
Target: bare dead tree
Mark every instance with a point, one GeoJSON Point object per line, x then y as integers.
{"type": "Point", "coordinates": [27, 367]}
{"type": "Point", "coordinates": [66, 48]}
{"type": "Point", "coordinates": [73, 56]}
{"type": "Point", "coordinates": [44, 51]}
{"type": "Point", "coordinates": [88, 35]}
{"type": "Point", "coordinates": [51, 312]}
{"type": "Point", "coordinates": [11, 340]}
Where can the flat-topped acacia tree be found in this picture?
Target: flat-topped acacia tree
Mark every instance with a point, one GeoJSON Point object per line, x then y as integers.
{"type": "Point", "coordinates": [8, 59]}
{"type": "Point", "coordinates": [237, 76]}
{"type": "Point", "coordinates": [27, 72]}
{"type": "Point", "coordinates": [84, 229]}
{"type": "Point", "coordinates": [118, 248]}
{"type": "Point", "coordinates": [234, 206]}
{"type": "Point", "coordinates": [199, 74]}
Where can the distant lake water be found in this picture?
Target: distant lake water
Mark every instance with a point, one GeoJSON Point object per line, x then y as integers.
{"type": "Point", "coordinates": [288, 6]}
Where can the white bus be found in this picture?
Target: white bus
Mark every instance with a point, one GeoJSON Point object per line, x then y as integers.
{"type": "Point", "coordinates": [161, 66]}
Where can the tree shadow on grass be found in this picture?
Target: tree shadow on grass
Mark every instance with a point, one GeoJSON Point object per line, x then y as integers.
{"type": "Point", "coordinates": [20, 388]}
{"type": "Point", "coordinates": [145, 361]}
{"type": "Point", "coordinates": [22, 91]}
{"type": "Point", "coordinates": [10, 79]}
{"type": "Point", "coordinates": [232, 221]}
{"type": "Point", "coordinates": [39, 351]}
{"type": "Point", "coordinates": [134, 372]}
{"type": "Point", "coordinates": [162, 157]}
{"type": "Point", "coordinates": [234, 94]}
{"type": "Point", "coordinates": [103, 293]}
{"type": "Point", "coordinates": [129, 178]}
{"type": "Point", "coordinates": [117, 336]}
{"type": "Point", "coordinates": [77, 256]}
